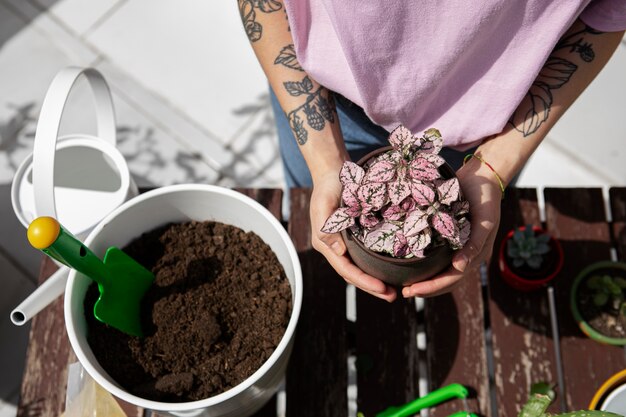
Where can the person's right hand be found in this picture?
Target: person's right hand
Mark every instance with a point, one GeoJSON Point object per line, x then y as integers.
{"type": "Point", "coordinates": [325, 200]}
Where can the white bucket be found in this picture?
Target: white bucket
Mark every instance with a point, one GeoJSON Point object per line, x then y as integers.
{"type": "Point", "coordinates": [180, 203]}
{"type": "Point", "coordinates": [615, 402]}
{"type": "Point", "coordinates": [78, 178]}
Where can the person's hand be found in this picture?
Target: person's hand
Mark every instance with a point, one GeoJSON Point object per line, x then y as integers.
{"type": "Point", "coordinates": [325, 200]}
{"type": "Point", "coordinates": [484, 195]}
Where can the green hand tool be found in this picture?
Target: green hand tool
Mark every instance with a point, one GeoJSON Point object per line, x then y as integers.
{"type": "Point", "coordinates": [122, 281]}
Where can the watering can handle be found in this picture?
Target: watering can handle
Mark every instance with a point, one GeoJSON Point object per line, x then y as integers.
{"type": "Point", "coordinates": [48, 129]}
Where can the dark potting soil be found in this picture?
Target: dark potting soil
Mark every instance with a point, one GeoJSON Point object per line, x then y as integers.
{"type": "Point", "coordinates": [218, 308]}
{"type": "Point", "coordinates": [609, 323]}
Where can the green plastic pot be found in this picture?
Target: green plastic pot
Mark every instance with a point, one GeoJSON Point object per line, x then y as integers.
{"type": "Point", "coordinates": [582, 324]}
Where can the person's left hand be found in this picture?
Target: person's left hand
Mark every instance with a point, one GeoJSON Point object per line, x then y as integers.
{"type": "Point", "coordinates": [482, 191]}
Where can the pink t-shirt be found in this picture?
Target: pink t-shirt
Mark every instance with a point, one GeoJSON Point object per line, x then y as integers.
{"type": "Point", "coordinates": [462, 67]}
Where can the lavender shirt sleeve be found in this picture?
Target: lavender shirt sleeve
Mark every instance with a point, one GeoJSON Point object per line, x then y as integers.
{"type": "Point", "coordinates": [605, 15]}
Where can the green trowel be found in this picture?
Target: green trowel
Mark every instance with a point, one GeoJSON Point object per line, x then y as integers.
{"type": "Point", "coordinates": [122, 281]}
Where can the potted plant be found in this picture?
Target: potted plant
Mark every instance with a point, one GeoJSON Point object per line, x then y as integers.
{"type": "Point", "coordinates": [529, 258]}
{"type": "Point", "coordinates": [402, 212]}
{"type": "Point", "coordinates": [598, 302]}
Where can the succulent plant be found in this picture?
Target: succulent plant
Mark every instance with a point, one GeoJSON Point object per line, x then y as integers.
{"type": "Point", "coordinates": [526, 248]}
{"type": "Point", "coordinates": [608, 291]}
{"type": "Point", "coordinates": [398, 203]}
{"type": "Point", "coordinates": [538, 403]}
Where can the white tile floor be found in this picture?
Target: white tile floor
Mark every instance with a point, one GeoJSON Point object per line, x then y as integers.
{"type": "Point", "coordinates": [192, 106]}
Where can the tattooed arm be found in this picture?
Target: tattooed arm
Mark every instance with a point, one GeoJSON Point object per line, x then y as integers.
{"type": "Point", "coordinates": [311, 113]}
{"type": "Point", "coordinates": [575, 61]}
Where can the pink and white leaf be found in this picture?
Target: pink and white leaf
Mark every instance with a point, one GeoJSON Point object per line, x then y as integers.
{"type": "Point", "coordinates": [415, 222]}
{"type": "Point", "coordinates": [400, 246]}
{"type": "Point", "coordinates": [464, 232]}
{"type": "Point", "coordinates": [431, 142]}
{"type": "Point", "coordinates": [422, 193]}
{"type": "Point", "coordinates": [349, 195]}
{"type": "Point", "coordinates": [448, 191]}
{"type": "Point", "coordinates": [434, 159]}
{"type": "Point", "coordinates": [372, 196]}
{"type": "Point", "coordinates": [382, 171]}
{"type": "Point", "coordinates": [399, 189]}
{"type": "Point", "coordinates": [351, 173]}
{"type": "Point", "coordinates": [381, 238]}
{"type": "Point", "coordinates": [393, 212]}
{"type": "Point", "coordinates": [369, 220]}
{"type": "Point", "coordinates": [408, 204]}
{"type": "Point", "coordinates": [338, 221]}
{"type": "Point", "coordinates": [422, 169]}
{"type": "Point", "coordinates": [445, 224]}
{"type": "Point", "coordinates": [401, 138]}
{"type": "Point", "coordinates": [420, 241]}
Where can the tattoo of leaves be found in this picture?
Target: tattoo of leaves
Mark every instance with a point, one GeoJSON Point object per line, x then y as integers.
{"type": "Point", "coordinates": [534, 109]}
{"type": "Point", "coordinates": [287, 57]}
{"type": "Point", "coordinates": [317, 109]}
{"type": "Point", "coordinates": [253, 29]}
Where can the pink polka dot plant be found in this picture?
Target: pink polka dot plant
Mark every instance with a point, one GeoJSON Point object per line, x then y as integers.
{"type": "Point", "coordinates": [399, 203]}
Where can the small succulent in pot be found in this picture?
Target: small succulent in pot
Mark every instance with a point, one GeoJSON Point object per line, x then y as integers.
{"type": "Point", "coordinates": [527, 248]}
{"type": "Point", "coordinates": [398, 203]}
{"type": "Point", "coordinates": [608, 291]}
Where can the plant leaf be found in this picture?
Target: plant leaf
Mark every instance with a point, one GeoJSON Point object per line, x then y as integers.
{"type": "Point", "coordinates": [445, 225]}
{"type": "Point", "coordinates": [460, 208]}
{"type": "Point", "coordinates": [349, 195]}
{"type": "Point", "coordinates": [369, 220]}
{"type": "Point", "coordinates": [400, 246]}
{"type": "Point", "coordinates": [422, 169]}
{"type": "Point", "coordinates": [372, 196]}
{"type": "Point", "coordinates": [432, 142]}
{"type": "Point", "coordinates": [399, 189]}
{"type": "Point", "coordinates": [381, 238]}
{"type": "Point", "coordinates": [422, 194]}
{"type": "Point", "coordinates": [464, 232]}
{"type": "Point", "coordinates": [338, 221]}
{"type": "Point", "coordinates": [415, 222]}
{"type": "Point", "coordinates": [448, 191]}
{"type": "Point", "coordinates": [543, 388]}
{"type": "Point", "coordinates": [434, 159]}
{"type": "Point", "coordinates": [296, 88]}
{"type": "Point", "coordinates": [351, 173]}
{"type": "Point", "coordinates": [420, 242]}
{"type": "Point", "coordinates": [401, 138]}
{"type": "Point", "coordinates": [393, 212]}
{"type": "Point", "coordinates": [381, 171]}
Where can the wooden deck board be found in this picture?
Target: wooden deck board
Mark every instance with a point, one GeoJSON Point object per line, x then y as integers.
{"type": "Point", "coordinates": [520, 321]}
{"type": "Point", "coordinates": [577, 218]}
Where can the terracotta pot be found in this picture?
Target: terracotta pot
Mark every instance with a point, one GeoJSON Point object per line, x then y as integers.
{"type": "Point", "coordinates": [533, 280]}
{"type": "Point", "coordinates": [398, 271]}
{"type": "Point", "coordinates": [585, 327]}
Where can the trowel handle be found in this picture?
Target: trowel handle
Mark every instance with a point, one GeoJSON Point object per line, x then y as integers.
{"type": "Point", "coordinates": [433, 398]}
{"type": "Point", "coordinates": [46, 234]}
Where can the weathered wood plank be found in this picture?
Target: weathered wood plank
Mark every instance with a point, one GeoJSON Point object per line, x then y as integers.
{"type": "Point", "coordinates": [577, 218]}
{"type": "Point", "coordinates": [520, 322]}
{"type": "Point", "coordinates": [456, 350]}
{"type": "Point", "coordinates": [618, 209]}
{"type": "Point", "coordinates": [317, 373]}
{"type": "Point", "coordinates": [387, 355]}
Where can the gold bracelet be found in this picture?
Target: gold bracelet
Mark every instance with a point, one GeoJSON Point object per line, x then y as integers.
{"type": "Point", "coordinates": [500, 183]}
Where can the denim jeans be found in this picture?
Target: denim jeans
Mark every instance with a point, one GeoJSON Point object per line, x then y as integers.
{"type": "Point", "coordinates": [360, 136]}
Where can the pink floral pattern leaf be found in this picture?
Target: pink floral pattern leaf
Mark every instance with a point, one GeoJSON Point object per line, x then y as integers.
{"type": "Point", "coordinates": [399, 189]}
{"type": "Point", "coordinates": [445, 224]}
{"type": "Point", "coordinates": [422, 169]}
{"type": "Point", "coordinates": [431, 142]}
{"type": "Point", "coordinates": [393, 212]}
{"type": "Point", "coordinates": [434, 159]}
{"type": "Point", "coordinates": [422, 193]}
{"type": "Point", "coordinates": [400, 246]}
{"type": "Point", "coordinates": [351, 173]}
{"type": "Point", "coordinates": [420, 241]}
{"type": "Point", "coordinates": [401, 138]}
{"type": "Point", "coordinates": [369, 220]}
{"type": "Point", "coordinates": [448, 191]}
{"type": "Point", "coordinates": [338, 221]}
{"type": "Point", "coordinates": [372, 196]}
{"type": "Point", "coordinates": [408, 204]}
{"type": "Point", "coordinates": [381, 171]}
{"type": "Point", "coordinates": [349, 195]}
{"type": "Point", "coordinates": [415, 222]}
{"type": "Point", "coordinates": [381, 238]}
